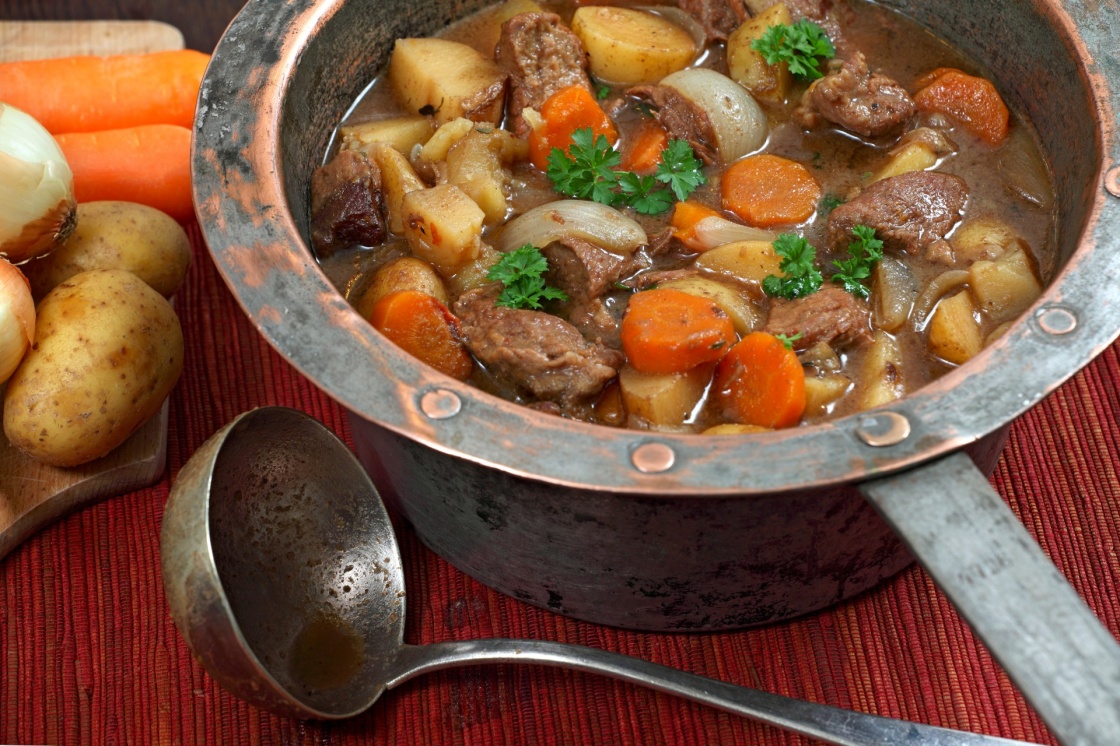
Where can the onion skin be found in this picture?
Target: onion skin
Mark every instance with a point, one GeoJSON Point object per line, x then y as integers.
{"type": "Point", "coordinates": [601, 225]}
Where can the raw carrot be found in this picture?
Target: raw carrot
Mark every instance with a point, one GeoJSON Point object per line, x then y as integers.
{"type": "Point", "coordinates": [149, 164]}
{"type": "Point", "coordinates": [768, 190]}
{"type": "Point", "coordinates": [562, 113]}
{"type": "Point", "coordinates": [972, 101]}
{"type": "Point", "coordinates": [88, 93]}
{"type": "Point", "coordinates": [667, 331]}
{"type": "Point", "coordinates": [424, 328]}
{"type": "Point", "coordinates": [760, 382]}
{"type": "Point", "coordinates": [685, 217]}
{"type": "Point", "coordinates": [642, 154]}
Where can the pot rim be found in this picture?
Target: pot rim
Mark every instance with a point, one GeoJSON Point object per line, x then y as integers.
{"type": "Point", "coordinates": [241, 203]}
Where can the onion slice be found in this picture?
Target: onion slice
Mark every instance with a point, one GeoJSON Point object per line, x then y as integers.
{"type": "Point", "coordinates": [17, 318]}
{"type": "Point", "coordinates": [36, 188]}
{"type": "Point", "coordinates": [601, 225]}
{"type": "Point", "coordinates": [927, 299]}
{"type": "Point", "coordinates": [715, 231]}
{"type": "Point", "coordinates": [739, 122]}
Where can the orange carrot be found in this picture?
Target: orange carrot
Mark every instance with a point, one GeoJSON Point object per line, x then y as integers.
{"type": "Point", "coordinates": [643, 153]}
{"type": "Point", "coordinates": [88, 93]}
{"type": "Point", "coordinates": [685, 217]}
{"type": "Point", "coordinates": [932, 75]}
{"type": "Point", "coordinates": [562, 113]}
{"type": "Point", "coordinates": [972, 101]}
{"type": "Point", "coordinates": [150, 165]}
{"type": "Point", "coordinates": [424, 328]}
{"type": "Point", "coordinates": [768, 190]}
{"type": "Point", "coordinates": [760, 382]}
{"type": "Point", "coordinates": [667, 331]}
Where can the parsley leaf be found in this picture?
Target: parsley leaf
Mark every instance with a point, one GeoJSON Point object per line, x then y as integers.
{"type": "Point", "coordinates": [799, 45]}
{"type": "Point", "coordinates": [587, 171]}
{"type": "Point", "coordinates": [521, 272]}
{"type": "Point", "coordinates": [800, 276]}
{"type": "Point", "coordinates": [787, 339]}
{"type": "Point", "coordinates": [862, 255]}
{"type": "Point", "coordinates": [680, 169]}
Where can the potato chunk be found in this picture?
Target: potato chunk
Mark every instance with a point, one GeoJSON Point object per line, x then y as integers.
{"type": "Point", "coordinates": [1004, 288]}
{"type": "Point", "coordinates": [443, 226]}
{"type": "Point", "coordinates": [446, 79]}
{"type": "Point", "coordinates": [823, 391]}
{"type": "Point", "coordinates": [954, 331]}
{"type": "Point", "coordinates": [631, 47]}
{"type": "Point", "coordinates": [397, 179]}
{"type": "Point", "coordinates": [663, 400]}
{"type": "Point", "coordinates": [405, 273]}
{"type": "Point", "coordinates": [403, 133]}
{"type": "Point", "coordinates": [767, 83]}
{"type": "Point", "coordinates": [747, 261]}
{"type": "Point", "coordinates": [881, 378]}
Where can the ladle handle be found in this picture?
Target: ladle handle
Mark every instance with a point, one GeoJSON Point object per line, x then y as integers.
{"type": "Point", "coordinates": [824, 722]}
{"type": "Point", "coordinates": [1057, 652]}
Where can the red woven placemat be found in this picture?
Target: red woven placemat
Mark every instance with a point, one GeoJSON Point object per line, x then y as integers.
{"type": "Point", "coordinates": [89, 654]}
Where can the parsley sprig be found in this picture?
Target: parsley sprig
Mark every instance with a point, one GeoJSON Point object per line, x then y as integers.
{"type": "Point", "coordinates": [801, 46]}
{"type": "Point", "coordinates": [800, 276]}
{"type": "Point", "coordinates": [521, 272]}
{"type": "Point", "coordinates": [589, 171]}
{"type": "Point", "coordinates": [862, 255]}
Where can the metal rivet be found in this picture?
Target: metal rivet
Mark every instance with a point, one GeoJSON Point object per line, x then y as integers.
{"type": "Point", "coordinates": [1056, 320]}
{"type": "Point", "coordinates": [653, 458]}
{"type": "Point", "coordinates": [883, 429]}
{"type": "Point", "coordinates": [1112, 181]}
{"type": "Point", "coordinates": [440, 404]}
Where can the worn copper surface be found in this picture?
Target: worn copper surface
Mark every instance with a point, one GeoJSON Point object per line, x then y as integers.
{"type": "Point", "coordinates": [738, 529]}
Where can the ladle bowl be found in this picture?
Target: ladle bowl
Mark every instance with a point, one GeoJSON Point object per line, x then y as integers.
{"type": "Point", "coordinates": [284, 576]}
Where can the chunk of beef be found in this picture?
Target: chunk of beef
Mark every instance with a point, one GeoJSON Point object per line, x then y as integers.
{"type": "Point", "coordinates": [346, 203]}
{"type": "Point", "coordinates": [597, 322]}
{"type": "Point", "coordinates": [911, 212]}
{"type": "Point", "coordinates": [831, 315]}
{"type": "Point", "coordinates": [718, 17]}
{"type": "Point", "coordinates": [584, 271]}
{"type": "Point", "coordinates": [861, 101]}
{"type": "Point", "coordinates": [681, 118]}
{"type": "Point", "coordinates": [831, 15]}
{"type": "Point", "coordinates": [541, 55]}
{"type": "Point", "coordinates": [537, 352]}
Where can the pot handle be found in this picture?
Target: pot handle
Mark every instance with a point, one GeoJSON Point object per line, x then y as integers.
{"type": "Point", "coordinates": [1064, 661]}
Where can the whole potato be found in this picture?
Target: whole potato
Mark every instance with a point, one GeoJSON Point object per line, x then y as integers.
{"type": "Point", "coordinates": [108, 349]}
{"type": "Point", "coordinates": [117, 235]}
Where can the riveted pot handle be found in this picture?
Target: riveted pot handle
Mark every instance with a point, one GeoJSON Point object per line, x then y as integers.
{"type": "Point", "coordinates": [1065, 662]}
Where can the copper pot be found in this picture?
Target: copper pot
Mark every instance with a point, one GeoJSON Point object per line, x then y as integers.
{"type": "Point", "coordinates": [667, 532]}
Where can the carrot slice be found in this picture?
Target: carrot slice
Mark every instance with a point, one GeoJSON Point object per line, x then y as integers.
{"type": "Point", "coordinates": [86, 93]}
{"type": "Point", "coordinates": [667, 331]}
{"type": "Point", "coordinates": [149, 164]}
{"type": "Point", "coordinates": [562, 113]}
{"type": "Point", "coordinates": [760, 382]}
{"type": "Point", "coordinates": [972, 101]}
{"type": "Point", "coordinates": [685, 217]}
{"type": "Point", "coordinates": [423, 327]}
{"type": "Point", "coordinates": [768, 190]}
{"type": "Point", "coordinates": [643, 154]}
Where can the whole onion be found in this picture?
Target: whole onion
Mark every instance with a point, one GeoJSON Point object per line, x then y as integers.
{"type": "Point", "coordinates": [36, 188]}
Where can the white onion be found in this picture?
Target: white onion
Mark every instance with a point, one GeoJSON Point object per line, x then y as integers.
{"type": "Point", "coordinates": [715, 231]}
{"type": "Point", "coordinates": [17, 318]}
{"type": "Point", "coordinates": [36, 188]}
{"type": "Point", "coordinates": [601, 225]}
{"type": "Point", "coordinates": [739, 122]}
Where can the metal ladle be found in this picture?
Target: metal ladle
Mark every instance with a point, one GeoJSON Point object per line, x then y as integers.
{"type": "Point", "coordinates": [283, 573]}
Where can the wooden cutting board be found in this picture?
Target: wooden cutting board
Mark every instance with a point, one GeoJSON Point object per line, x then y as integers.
{"type": "Point", "coordinates": [33, 494]}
